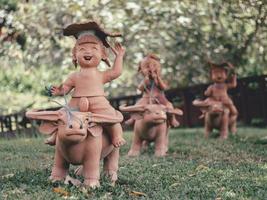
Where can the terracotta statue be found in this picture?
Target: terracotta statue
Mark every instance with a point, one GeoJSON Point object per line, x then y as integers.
{"type": "Point", "coordinates": [153, 86]}
{"type": "Point", "coordinates": [150, 126]}
{"type": "Point", "coordinates": [80, 140]}
{"type": "Point", "coordinates": [87, 128]}
{"type": "Point", "coordinates": [216, 116]}
{"type": "Point", "coordinates": [218, 97]}
{"type": "Point", "coordinates": [87, 83]}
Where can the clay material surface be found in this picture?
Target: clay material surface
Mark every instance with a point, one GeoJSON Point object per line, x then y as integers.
{"type": "Point", "coordinates": [88, 127]}
{"type": "Point", "coordinates": [150, 126]}
{"type": "Point", "coordinates": [218, 109]}
{"type": "Point", "coordinates": [80, 140]}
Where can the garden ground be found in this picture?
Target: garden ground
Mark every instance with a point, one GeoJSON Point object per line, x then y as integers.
{"type": "Point", "coordinates": [195, 168]}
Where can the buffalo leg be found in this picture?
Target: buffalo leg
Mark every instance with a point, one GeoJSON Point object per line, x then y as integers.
{"type": "Point", "coordinates": [60, 168]}
{"type": "Point", "coordinates": [208, 127]}
{"type": "Point", "coordinates": [224, 125]}
{"type": "Point", "coordinates": [160, 143]}
{"type": "Point", "coordinates": [136, 145]}
{"type": "Point", "coordinates": [111, 165]}
{"type": "Point", "coordinates": [91, 171]}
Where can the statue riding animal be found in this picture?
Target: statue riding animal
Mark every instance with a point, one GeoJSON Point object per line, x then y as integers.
{"type": "Point", "coordinates": [151, 125]}
{"type": "Point", "coordinates": [217, 116]}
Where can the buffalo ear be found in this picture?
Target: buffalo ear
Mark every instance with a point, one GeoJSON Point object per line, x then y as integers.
{"type": "Point", "coordinates": [44, 115]}
{"type": "Point", "coordinates": [175, 111]}
{"type": "Point", "coordinates": [201, 103]}
{"type": "Point", "coordinates": [95, 130]}
{"type": "Point", "coordinates": [48, 128]}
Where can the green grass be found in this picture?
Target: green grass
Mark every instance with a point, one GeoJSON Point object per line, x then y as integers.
{"type": "Point", "coordinates": [195, 168]}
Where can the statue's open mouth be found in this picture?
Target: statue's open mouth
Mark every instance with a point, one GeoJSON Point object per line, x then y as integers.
{"type": "Point", "coordinates": [87, 57]}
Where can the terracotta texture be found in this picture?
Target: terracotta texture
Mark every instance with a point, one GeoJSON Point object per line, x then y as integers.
{"type": "Point", "coordinates": [152, 87]}
{"type": "Point", "coordinates": [218, 109]}
{"type": "Point", "coordinates": [153, 114]}
{"type": "Point", "coordinates": [80, 140]}
{"type": "Point", "coordinates": [88, 127]}
{"type": "Point", "coordinates": [150, 126]}
{"type": "Point", "coordinates": [87, 83]}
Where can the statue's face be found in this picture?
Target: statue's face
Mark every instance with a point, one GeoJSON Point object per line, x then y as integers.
{"type": "Point", "coordinates": [90, 52]}
{"type": "Point", "coordinates": [218, 75]}
{"type": "Point", "coordinates": [148, 66]}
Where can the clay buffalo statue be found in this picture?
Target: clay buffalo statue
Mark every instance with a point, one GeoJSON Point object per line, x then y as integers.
{"type": "Point", "coordinates": [151, 125]}
{"type": "Point", "coordinates": [216, 115]}
{"type": "Point", "coordinates": [80, 140]}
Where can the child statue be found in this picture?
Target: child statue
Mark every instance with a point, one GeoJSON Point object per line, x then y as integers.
{"type": "Point", "coordinates": [218, 90]}
{"type": "Point", "coordinates": [87, 83]}
{"type": "Point", "coordinates": [153, 86]}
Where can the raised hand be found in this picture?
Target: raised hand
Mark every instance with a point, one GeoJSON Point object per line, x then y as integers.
{"type": "Point", "coordinates": [118, 50]}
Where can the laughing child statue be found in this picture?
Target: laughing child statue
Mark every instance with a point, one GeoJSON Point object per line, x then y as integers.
{"type": "Point", "coordinates": [87, 84]}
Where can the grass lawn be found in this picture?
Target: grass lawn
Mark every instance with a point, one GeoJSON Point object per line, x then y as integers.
{"type": "Point", "coordinates": [195, 168]}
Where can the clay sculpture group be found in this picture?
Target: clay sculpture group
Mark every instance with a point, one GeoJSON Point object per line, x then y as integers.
{"type": "Point", "coordinates": [88, 129]}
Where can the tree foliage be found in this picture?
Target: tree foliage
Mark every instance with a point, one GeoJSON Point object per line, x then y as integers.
{"type": "Point", "coordinates": [183, 33]}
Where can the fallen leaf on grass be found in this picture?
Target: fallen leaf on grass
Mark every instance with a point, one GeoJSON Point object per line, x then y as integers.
{"type": "Point", "coordinates": [135, 193]}
{"type": "Point", "coordinates": [202, 168]}
{"type": "Point", "coordinates": [7, 176]}
{"type": "Point", "coordinates": [174, 185]}
{"type": "Point", "coordinates": [191, 175]}
{"type": "Point", "coordinates": [61, 191]}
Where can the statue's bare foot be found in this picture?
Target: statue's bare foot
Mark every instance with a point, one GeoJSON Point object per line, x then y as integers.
{"type": "Point", "coordinates": [91, 183]}
{"type": "Point", "coordinates": [174, 122]}
{"type": "Point", "coordinates": [118, 141]}
{"type": "Point", "coordinates": [201, 116]}
{"type": "Point", "coordinates": [160, 153]}
{"type": "Point", "coordinates": [233, 130]}
{"type": "Point", "coordinates": [224, 135]}
{"type": "Point", "coordinates": [56, 178]}
{"type": "Point", "coordinates": [133, 153]}
{"type": "Point", "coordinates": [112, 174]}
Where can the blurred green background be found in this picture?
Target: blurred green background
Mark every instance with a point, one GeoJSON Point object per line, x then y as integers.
{"type": "Point", "coordinates": [34, 54]}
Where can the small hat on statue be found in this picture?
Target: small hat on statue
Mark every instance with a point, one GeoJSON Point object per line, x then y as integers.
{"type": "Point", "coordinates": [227, 66]}
{"type": "Point", "coordinates": [89, 28]}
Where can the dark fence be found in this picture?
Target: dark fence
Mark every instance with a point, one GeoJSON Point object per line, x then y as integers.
{"type": "Point", "coordinates": [250, 98]}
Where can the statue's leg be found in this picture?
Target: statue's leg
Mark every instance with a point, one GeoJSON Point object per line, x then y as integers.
{"type": "Point", "coordinates": [160, 142]}
{"type": "Point", "coordinates": [111, 165]}
{"type": "Point", "coordinates": [136, 144]}
{"type": "Point", "coordinates": [224, 125]}
{"type": "Point", "coordinates": [91, 164]}
{"type": "Point", "coordinates": [167, 140]}
{"type": "Point", "coordinates": [60, 168]}
{"type": "Point", "coordinates": [233, 119]}
{"type": "Point", "coordinates": [116, 134]}
{"type": "Point", "coordinates": [207, 125]}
